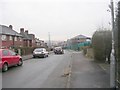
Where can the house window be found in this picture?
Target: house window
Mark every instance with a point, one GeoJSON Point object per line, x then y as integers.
{"type": "Point", "coordinates": [3, 38]}
{"type": "Point", "coordinates": [32, 41]}
{"type": "Point", "coordinates": [10, 37]}
{"type": "Point", "coordinates": [15, 38]}
{"type": "Point", "coordinates": [20, 38]}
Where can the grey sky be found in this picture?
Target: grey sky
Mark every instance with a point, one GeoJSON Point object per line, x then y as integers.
{"type": "Point", "coordinates": [62, 18]}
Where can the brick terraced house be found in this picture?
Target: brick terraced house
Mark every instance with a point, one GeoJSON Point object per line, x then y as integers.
{"type": "Point", "coordinates": [9, 37]}
{"type": "Point", "coordinates": [28, 39]}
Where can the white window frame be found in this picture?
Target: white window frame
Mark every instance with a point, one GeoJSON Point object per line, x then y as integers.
{"type": "Point", "coordinates": [3, 38]}
{"type": "Point", "coordinates": [20, 38]}
{"type": "Point", "coordinates": [10, 37]}
{"type": "Point", "coordinates": [32, 41]}
{"type": "Point", "coordinates": [15, 38]}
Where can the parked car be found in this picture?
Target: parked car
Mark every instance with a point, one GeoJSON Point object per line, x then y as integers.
{"type": "Point", "coordinates": [40, 52]}
{"type": "Point", "coordinates": [9, 58]}
{"type": "Point", "coordinates": [58, 50]}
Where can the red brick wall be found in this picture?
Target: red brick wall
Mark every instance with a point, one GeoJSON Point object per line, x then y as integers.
{"type": "Point", "coordinates": [33, 43]}
{"type": "Point", "coordinates": [18, 42]}
{"type": "Point", "coordinates": [25, 43]}
{"type": "Point", "coordinates": [8, 43]}
{"type": "Point", "coordinates": [78, 41]}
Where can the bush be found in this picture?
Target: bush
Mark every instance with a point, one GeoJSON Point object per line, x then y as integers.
{"type": "Point", "coordinates": [84, 50]}
{"type": "Point", "coordinates": [24, 50]}
{"type": "Point", "coordinates": [102, 45]}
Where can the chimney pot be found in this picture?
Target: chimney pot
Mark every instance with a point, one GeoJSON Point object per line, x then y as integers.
{"type": "Point", "coordinates": [10, 26]}
{"type": "Point", "coordinates": [26, 31]}
{"type": "Point", "coordinates": [21, 30]}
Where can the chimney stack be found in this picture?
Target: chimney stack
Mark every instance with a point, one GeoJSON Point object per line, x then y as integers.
{"type": "Point", "coordinates": [26, 31]}
{"type": "Point", "coordinates": [10, 26]}
{"type": "Point", "coordinates": [21, 30]}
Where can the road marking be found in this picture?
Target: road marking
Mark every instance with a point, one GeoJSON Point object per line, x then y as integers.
{"type": "Point", "coordinates": [102, 67]}
{"type": "Point", "coordinates": [118, 81]}
{"type": "Point", "coordinates": [70, 72]}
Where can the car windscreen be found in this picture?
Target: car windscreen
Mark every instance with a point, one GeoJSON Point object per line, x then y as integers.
{"type": "Point", "coordinates": [58, 48]}
{"type": "Point", "coordinates": [38, 50]}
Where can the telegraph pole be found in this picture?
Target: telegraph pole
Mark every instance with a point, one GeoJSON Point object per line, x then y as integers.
{"type": "Point", "coordinates": [49, 40]}
{"type": "Point", "coordinates": [112, 61]}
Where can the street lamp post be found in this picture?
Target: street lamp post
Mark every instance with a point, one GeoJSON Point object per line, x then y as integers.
{"type": "Point", "coordinates": [49, 40]}
{"type": "Point", "coordinates": [112, 61]}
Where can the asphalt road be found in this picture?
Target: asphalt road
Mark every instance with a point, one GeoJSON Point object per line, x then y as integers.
{"type": "Point", "coordinates": [49, 73]}
{"type": "Point", "coordinates": [38, 73]}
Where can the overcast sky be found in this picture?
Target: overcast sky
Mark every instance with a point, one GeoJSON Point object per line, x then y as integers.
{"type": "Point", "coordinates": [62, 18]}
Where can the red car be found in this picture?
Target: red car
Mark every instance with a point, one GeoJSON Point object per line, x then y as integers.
{"type": "Point", "coordinates": [9, 58]}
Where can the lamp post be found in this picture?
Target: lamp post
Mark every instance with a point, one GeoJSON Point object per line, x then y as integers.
{"type": "Point", "coordinates": [112, 60]}
{"type": "Point", "coordinates": [49, 40]}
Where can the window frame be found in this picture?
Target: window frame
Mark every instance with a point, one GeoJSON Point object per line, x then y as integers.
{"type": "Point", "coordinates": [16, 38]}
{"type": "Point", "coordinates": [20, 38]}
{"type": "Point", "coordinates": [10, 38]}
{"type": "Point", "coordinates": [3, 37]}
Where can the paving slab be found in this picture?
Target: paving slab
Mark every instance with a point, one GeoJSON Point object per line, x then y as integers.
{"type": "Point", "coordinates": [87, 73]}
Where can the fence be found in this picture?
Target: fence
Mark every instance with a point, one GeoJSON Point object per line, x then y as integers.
{"type": "Point", "coordinates": [78, 46]}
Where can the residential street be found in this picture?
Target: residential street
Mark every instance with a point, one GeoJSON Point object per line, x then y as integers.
{"type": "Point", "coordinates": [87, 30]}
{"type": "Point", "coordinates": [49, 73]}
{"type": "Point", "coordinates": [38, 73]}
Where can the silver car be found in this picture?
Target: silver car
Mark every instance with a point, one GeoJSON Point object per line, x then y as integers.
{"type": "Point", "coordinates": [58, 50]}
{"type": "Point", "coordinates": [40, 52]}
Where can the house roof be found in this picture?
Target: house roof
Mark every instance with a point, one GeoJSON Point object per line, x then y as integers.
{"type": "Point", "coordinates": [31, 36]}
{"type": "Point", "coordinates": [25, 35]}
{"type": "Point", "coordinates": [80, 36]}
{"type": "Point", "coordinates": [8, 31]}
{"type": "Point", "coordinates": [37, 40]}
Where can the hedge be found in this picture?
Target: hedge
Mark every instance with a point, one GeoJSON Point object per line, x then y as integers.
{"type": "Point", "coordinates": [102, 45]}
{"type": "Point", "coordinates": [25, 50]}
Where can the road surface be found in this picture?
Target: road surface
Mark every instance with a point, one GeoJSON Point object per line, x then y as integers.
{"type": "Point", "coordinates": [49, 73]}
{"type": "Point", "coordinates": [38, 73]}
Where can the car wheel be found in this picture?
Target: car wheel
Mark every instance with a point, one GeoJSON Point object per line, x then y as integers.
{"type": "Point", "coordinates": [34, 57]}
{"type": "Point", "coordinates": [47, 55]}
{"type": "Point", "coordinates": [44, 56]}
{"type": "Point", "coordinates": [20, 63]}
{"type": "Point", "coordinates": [5, 67]}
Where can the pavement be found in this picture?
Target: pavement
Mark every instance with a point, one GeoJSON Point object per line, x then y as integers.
{"type": "Point", "coordinates": [26, 57]}
{"type": "Point", "coordinates": [85, 73]}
